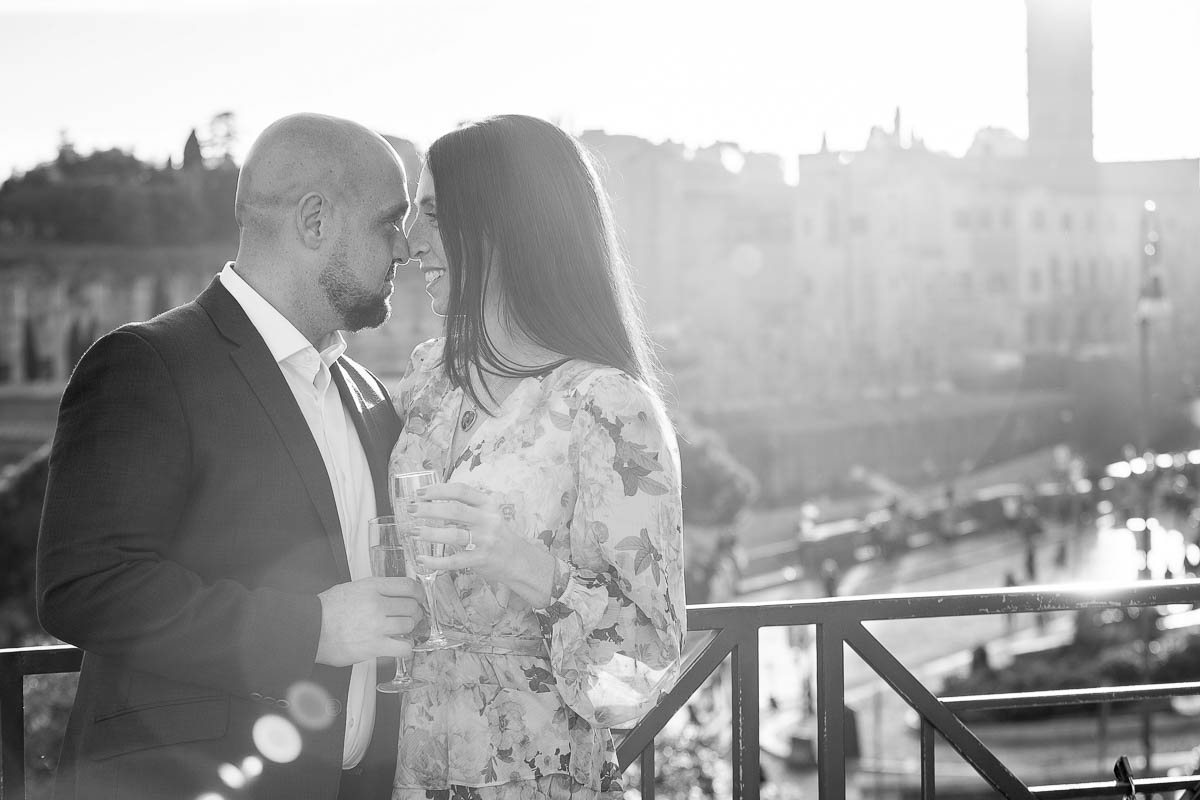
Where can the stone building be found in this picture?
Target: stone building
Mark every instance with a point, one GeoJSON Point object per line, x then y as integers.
{"type": "Point", "coordinates": [897, 269]}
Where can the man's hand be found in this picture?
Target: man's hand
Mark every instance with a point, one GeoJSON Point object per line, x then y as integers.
{"type": "Point", "coordinates": [359, 619]}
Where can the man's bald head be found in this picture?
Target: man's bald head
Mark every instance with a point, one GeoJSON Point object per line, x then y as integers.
{"type": "Point", "coordinates": [302, 154]}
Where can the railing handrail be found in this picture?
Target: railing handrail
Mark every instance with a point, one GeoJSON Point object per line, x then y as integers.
{"type": "Point", "coordinates": [959, 603]}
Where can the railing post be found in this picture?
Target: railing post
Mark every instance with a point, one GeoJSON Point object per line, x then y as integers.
{"type": "Point", "coordinates": [12, 731]}
{"type": "Point", "coordinates": [831, 709]}
{"type": "Point", "coordinates": [647, 762]}
{"type": "Point", "coordinates": [928, 763]}
{"type": "Point", "coordinates": [747, 778]}
{"type": "Point", "coordinates": [1102, 734]}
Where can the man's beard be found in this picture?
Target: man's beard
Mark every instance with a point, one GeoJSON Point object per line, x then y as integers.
{"type": "Point", "coordinates": [355, 306]}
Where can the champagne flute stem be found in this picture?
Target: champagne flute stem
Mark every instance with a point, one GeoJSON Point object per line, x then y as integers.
{"type": "Point", "coordinates": [402, 677]}
{"type": "Point", "coordinates": [435, 627]}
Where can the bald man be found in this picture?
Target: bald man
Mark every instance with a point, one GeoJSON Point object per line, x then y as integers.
{"type": "Point", "coordinates": [204, 536]}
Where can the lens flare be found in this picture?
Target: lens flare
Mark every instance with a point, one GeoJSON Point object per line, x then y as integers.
{"type": "Point", "coordinates": [1121, 469]}
{"type": "Point", "coordinates": [311, 706]}
{"type": "Point", "coordinates": [252, 767]}
{"type": "Point", "coordinates": [277, 739]}
{"type": "Point", "coordinates": [232, 776]}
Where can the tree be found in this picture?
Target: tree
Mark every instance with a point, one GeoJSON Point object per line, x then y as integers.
{"type": "Point", "coordinates": [192, 157]}
{"type": "Point", "coordinates": [110, 196]}
{"type": "Point", "coordinates": [222, 136]}
{"type": "Point", "coordinates": [716, 486]}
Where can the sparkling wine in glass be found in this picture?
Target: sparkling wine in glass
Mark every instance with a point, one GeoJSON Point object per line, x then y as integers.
{"type": "Point", "coordinates": [388, 561]}
{"type": "Point", "coordinates": [404, 488]}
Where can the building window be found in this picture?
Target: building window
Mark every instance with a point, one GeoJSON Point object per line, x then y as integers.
{"type": "Point", "coordinates": [1076, 276]}
{"type": "Point", "coordinates": [1052, 330]}
{"type": "Point", "coordinates": [1066, 222]}
{"type": "Point", "coordinates": [1031, 330]}
{"type": "Point", "coordinates": [1037, 220]}
{"type": "Point", "coordinates": [984, 219]}
{"type": "Point", "coordinates": [1089, 221]}
{"type": "Point", "coordinates": [1035, 282]}
{"type": "Point", "coordinates": [1093, 274]}
{"type": "Point", "coordinates": [833, 230]}
{"type": "Point", "coordinates": [1055, 275]}
{"type": "Point", "coordinates": [1083, 328]}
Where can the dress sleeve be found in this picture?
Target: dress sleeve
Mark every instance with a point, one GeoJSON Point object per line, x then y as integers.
{"type": "Point", "coordinates": [615, 630]}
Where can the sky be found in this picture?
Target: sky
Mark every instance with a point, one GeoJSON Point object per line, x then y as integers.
{"type": "Point", "coordinates": [771, 75]}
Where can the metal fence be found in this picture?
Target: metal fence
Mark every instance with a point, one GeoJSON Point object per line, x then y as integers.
{"type": "Point", "coordinates": [734, 634]}
{"type": "Point", "coordinates": [839, 622]}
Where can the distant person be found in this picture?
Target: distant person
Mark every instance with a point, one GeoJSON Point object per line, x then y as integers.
{"type": "Point", "coordinates": [896, 529]}
{"type": "Point", "coordinates": [948, 516]}
{"type": "Point", "coordinates": [980, 663]}
{"type": "Point", "coordinates": [1031, 531]}
{"type": "Point", "coordinates": [1011, 508]}
{"type": "Point", "coordinates": [204, 537]}
{"type": "Point", "coordinates": [831, 576]}
{"type": "Point", "coordinates": [539, 407]}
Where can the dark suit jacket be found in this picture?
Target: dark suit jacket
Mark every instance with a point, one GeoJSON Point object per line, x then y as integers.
{"type": "Point", "coordinates": [189, 524]}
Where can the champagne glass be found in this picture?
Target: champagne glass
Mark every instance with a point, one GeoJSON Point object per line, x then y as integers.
{"type": "Point", "coordinates": [387, 561]}
{"type": "Point", "coordinates": [404, 488]}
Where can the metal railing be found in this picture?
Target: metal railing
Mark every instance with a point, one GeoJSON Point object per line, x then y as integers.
{"type": "Point", "coordinates": [838, 622]}
{"type": "Point", "coordinates": [15, 664]}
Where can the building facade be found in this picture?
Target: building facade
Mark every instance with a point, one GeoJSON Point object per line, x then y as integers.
{"type": "Point", "coordinates": [896, 269]}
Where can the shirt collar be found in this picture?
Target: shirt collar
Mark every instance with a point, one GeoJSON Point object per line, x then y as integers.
{"type": "Point", "coordinates": [280, 335]}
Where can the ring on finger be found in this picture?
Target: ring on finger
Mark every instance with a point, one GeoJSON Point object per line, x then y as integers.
{"type": "Point", "coordinates": [470, 545]}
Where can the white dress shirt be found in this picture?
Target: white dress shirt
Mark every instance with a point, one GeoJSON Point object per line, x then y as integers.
{"type": "Point", "coordinates": [307, 374]}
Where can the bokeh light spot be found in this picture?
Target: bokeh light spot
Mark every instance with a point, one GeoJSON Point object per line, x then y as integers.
{"type": "Point", "coordinates": [252, 767]}
{"type": "Point", "coordinates": [310, 705]}
{"type": "Point", "coordinates": [210, 796]}
{"type": "Point", "coordinates": [277, 739]}
{"type": "Point", "coordinates": [232, 776]}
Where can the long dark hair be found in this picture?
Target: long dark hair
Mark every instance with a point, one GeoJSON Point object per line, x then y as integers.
{"type": "Point", "coordinates": [523, 189]}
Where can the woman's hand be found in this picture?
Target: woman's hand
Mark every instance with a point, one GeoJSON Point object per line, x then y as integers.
{"type": "Point", "coordinates": [485, 531]}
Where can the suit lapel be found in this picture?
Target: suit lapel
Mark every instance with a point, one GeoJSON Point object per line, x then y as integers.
{"type": "Point", "coordinates": [262, 373]}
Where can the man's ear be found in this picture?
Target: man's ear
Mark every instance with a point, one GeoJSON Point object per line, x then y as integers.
{"type": "Point", "coordinates": [312, 219]}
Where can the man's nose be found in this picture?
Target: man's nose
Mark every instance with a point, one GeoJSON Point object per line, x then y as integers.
{"type": "Point", "coordinates": [402, 251]}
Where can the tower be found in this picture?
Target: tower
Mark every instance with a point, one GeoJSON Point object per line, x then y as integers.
{"type": "Point", "coordinates": [1059, 60]}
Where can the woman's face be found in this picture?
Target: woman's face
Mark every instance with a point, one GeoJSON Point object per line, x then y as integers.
{"type": "Point", "coordinates": [425, 243]}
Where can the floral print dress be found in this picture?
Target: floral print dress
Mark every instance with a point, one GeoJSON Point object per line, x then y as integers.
{"type": "Point", "coordinates": [586, 462]}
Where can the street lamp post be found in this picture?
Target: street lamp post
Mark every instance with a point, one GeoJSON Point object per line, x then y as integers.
{"type": "Point", "coordinates": [1151, 304]}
